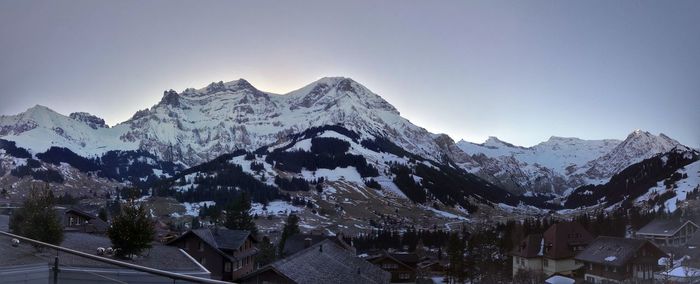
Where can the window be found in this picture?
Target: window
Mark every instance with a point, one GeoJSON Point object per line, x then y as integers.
{"type": "Point", "coordinates": [404, 276]}
{"type": "Point", "coordinates": [390, 266]}
{"type": "Point", "coordinates": [227, 267]}
{"type": "Point", "coordinates": [590, 279]}
{"type": "Point", "coordinates": [546, 262]}
{"type": "Point", "coordinates": [201, 246]}
{"type": "Point", "coordinates": [203, 261]}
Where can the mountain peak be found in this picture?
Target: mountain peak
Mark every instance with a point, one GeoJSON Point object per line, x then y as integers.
{"type": "Point", "coordinates": [38, 108]}
{"type": "Point", "coordinates": [221, 86]}
{"type": "Point", "coordinates": [91, 120]}
{"type": "Point", "coordinates": [493, 141]}
{"type": "Point", "coordinates": [639, 133]}
{"type": "Point", "coordinates": [342, 92]}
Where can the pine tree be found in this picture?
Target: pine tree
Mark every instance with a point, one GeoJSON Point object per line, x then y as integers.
{"type": "Point", "coordinates": [267, 252]}
{"type": "Point", "coordinates": [238, 215]}
{"type": "Point", "coordinates": [455, 252]}
{"type": "Point", "coordinates": [132, 231]}
{"type": "Point", "coordinates": [37, 218]}
{"type": "Point", "coordinates": [102, 214]}
{"type": "Point", "coordinates": [291, 227]}
{"type": "Point", "coordinates": [196, 224]}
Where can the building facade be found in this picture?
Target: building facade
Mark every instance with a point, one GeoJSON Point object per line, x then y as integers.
{"type": "Point", "coordinates": [668, 232]}
{"type": "Point", "coordinates": [227, 254]}
{"type": "Point", "coordinates": [620, 260]}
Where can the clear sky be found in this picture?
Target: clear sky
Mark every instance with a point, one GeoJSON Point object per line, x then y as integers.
{"type": "Point", "coordinates": [519, 70]}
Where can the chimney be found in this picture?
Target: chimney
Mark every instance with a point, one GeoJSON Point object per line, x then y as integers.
{"type": "Point", "coordinates": [320, 248]}
{"type": "Point", "coordinates": [307, 242]}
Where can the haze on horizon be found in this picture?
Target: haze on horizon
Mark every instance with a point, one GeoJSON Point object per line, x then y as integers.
{"type": "Point", "coordinates": [522, 71]}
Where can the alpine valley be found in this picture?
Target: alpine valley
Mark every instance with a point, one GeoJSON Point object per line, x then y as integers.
{"type": "Point", "coordinates": [339, 155]}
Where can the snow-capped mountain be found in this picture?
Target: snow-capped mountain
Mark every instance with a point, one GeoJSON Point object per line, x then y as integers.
{"type": "Point", "coordinates": [40, 128]}
{"type": "Point", "coordinates": [197, 125]}
{"type": "Point", "coordinates": [638, 146]}
{"type": "Point", "coordinates": [559, 164]}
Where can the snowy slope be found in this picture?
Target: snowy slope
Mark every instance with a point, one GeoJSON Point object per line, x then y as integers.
{"type": "Point", "coordinates": [681, 188]}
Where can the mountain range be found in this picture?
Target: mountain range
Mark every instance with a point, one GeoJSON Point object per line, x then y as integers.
{"type": "Point", "coordinates": [365, 138]}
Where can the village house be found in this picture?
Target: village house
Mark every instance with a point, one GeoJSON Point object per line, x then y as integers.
{"type": "Point", "coordinates": [527, 256]}
{"type": "Point", "coordinates": [402, 266]}
{"type": "Point", "coordinates": [76, 220]}
{"type": "Point", "coordinates": [552, 252]}
{"type": "Point", "coordinates": [616, 260]}
{"type": "Point", "coordinates": [227, 254]}
{"type": "Point", "coordinates": [668, 232]}
{"type": "Point", "coordinates": [324, 262]}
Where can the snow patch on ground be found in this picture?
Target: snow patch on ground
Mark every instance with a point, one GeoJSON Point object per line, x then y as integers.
{"type": "Point", "coordinates": [446, 214]}
{"type": "Point", "coordinates": [337, 174]}
{"type": "Point", "coordinates": [274, 208]}
{"type": "Point", "coordinates": [192, 209]}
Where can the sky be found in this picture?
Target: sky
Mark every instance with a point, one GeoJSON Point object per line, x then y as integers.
{"type": "Point", "coordinates": [519, 70]}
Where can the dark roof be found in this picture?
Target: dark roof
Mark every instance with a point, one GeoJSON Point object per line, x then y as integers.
{"type": "Point", "coordinates": [222, 238]}
{"type": "Point", "coordinates": [561, 238]}
{"type": "Point", "coordinates": [531, 246]}
{"type": "Point", "coordinates": [326, 262]}
{"type": "Point", "coordinates": [297, 242]}
{"type": "Point", "coordinates": [614, 251]}
{"type": "Point", "coordinates": [664, 227]}
{"type": "Point", "coordinates": [159, 256]}
{"type": "Point", "coordinates": [94, 225]}
{"type": "Point", "coordinates": [410, 259]}
{"type": "Point", "coordinates": [385, 255]}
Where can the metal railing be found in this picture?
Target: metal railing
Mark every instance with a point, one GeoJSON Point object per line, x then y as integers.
{"type": "Point", "coordinates": [158, 272]}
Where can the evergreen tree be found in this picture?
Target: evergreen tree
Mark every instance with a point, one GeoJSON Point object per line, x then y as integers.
{"type": "Point", "coordinates": [132, 231]}
{"type": "Point", "coordinates": [196, 224]}
{"type": "Point", "coordinates": [102, 214]}
{"type": "Point", "coordinates": [291, 227]}
{"type": "Point", "coordinates": [37, 219]}
{"type": "Point", "coordinates": [267, 252]}
{"type": "Point", "coordinates": [238, 215]}
{"type": "Point", "coordinates": [455, 252]}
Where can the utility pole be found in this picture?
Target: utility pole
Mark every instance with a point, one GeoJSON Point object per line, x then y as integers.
{"type": "Point", "coordinates": [55, 269]}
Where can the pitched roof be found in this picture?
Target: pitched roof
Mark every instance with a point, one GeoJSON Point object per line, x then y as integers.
{"type": "Point", "coordinates": [386, 255]}
{"type": "Point", "coordinates": [159, 256]}
{"type": "Point", "coordinates": [664, 227]}
{"type": "Point", "coordinates": [613, 251]}
{"type": "Point", "coordinates": [561, 239]}
{"type": "Point", "coordinates": [531, 246]}
{"type": "Point", "coordinates": [297, 242]}
{"type": "Point", "coordinates": [222, 238]}
{"type": "Point", "coordinates": [410, 259]}
{"type": "Point", "coordinates": [326, 262]}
